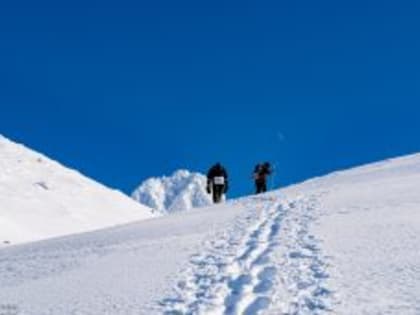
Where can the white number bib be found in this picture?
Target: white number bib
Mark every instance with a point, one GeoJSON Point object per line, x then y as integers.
{"type": "Point", "coordinates": [219, 180]}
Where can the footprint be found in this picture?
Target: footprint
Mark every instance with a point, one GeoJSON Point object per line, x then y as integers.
{"type": "Point", "coordinates": [265, 278]}
{"type": "Point", "coordinates": [296, 255]}
{"type": "Point", "coordinates": [264, 286]}
{"type": "Point", "coordinates": [264, 258]}
{"type": "Point", "coordinates": [237, 285]}
{"type": "Point", "coordinates": [267, 273]}
{"type": "Point", "coordinates": [259, 305]}
{"type": "Point", "coordinates": [322, 292]}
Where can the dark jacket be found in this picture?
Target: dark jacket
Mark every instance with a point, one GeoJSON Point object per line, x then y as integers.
{"type": "Point", "coordinates": [261, 172]}
{"type": "Point", "coordinates": [217, 171]}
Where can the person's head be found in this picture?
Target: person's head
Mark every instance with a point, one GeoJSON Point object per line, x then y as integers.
{"type": "Point", "coordinates": [267, 164]}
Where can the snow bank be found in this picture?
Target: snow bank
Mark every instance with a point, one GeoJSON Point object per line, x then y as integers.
{"type": "Point", "coordinates": [181, 191]}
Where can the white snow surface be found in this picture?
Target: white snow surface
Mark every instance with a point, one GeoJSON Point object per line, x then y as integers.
{"type": "Point", "coordinates": [183, 190]}
{"type": "Point", "coordinates": [40, 199]}
{"type": "Point", "coordinates": [344, 244]}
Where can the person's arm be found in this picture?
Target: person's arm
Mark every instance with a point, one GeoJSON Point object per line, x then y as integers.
{"type": "Point", "coordinates": [225, 175]}
{"type": "Point", "coordinates": [255, 175]}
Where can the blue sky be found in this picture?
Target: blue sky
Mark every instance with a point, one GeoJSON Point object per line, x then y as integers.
{"type": "Point", "coordinates": [124, 90]}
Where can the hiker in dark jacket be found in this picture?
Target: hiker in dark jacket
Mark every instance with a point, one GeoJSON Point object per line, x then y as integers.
{"type": "Point", "coordinates": [217, 182]}
{"type": "Point", "coordinates": [261, 173]}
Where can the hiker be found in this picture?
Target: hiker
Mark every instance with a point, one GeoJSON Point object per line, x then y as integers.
{"type": "Point", "coordinates": [261, 172]}
{"type": "Point", "coordinates": [217, 182]}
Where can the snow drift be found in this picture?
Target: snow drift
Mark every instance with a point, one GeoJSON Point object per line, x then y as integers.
{"type": "Point", "coordinates": [39, 198]}
{"type": "Point", "coordinates": [181, 191]}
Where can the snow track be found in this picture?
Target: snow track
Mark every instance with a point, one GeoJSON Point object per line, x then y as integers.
{"type": "Point", "coordinates": [268, 251]}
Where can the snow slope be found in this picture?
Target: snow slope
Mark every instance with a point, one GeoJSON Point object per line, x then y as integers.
{"type": "Point", "coordinates": [181, 191]}
{"type": "Point", "coordinates": [39, 199]}
{"type": "Point", "coordinates": [345, 244]}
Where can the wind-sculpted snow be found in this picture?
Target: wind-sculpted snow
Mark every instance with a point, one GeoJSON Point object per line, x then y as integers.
{"type": "Point", "coordinates": [181, 191]}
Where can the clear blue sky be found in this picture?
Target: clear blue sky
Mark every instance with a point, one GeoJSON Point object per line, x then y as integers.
{"type": "Point", "coordinates": [124, 90]}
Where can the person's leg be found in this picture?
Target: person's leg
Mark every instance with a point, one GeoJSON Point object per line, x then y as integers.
{"type": "Point", "coordinates": [264, 187]}
{"type": "Point", "coordinates": [217, 193]}
{"type": "Point", "coordinates": [214, 190]}
{"type": "Point", "coordinates": [259, 187]}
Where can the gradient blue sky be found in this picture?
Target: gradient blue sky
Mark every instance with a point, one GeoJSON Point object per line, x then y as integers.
{"type": "Point", "coordinates": [124, 90]}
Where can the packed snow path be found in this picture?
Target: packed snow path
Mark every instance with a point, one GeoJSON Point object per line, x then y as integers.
{"type": "Point", "coordinates": [243, 270]}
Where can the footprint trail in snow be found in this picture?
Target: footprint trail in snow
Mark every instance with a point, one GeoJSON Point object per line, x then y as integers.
{"type": "Point", "coordinates": [268, 263]}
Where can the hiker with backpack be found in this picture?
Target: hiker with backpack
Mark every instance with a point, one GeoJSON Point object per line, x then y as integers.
{"type": "Point", "coordinates": [217, 182]}
{"type": "Point", "coordinates": [261, 174]}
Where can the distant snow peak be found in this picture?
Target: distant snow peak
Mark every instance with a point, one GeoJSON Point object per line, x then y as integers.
{"type": "Point", "coordinates": [182, 190]}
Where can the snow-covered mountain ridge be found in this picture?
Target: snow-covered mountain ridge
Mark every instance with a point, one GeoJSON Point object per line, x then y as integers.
{"type": "Point", "coordinates": [39, 198]}
{"type": "Point", "coordinates": [181, 191]}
